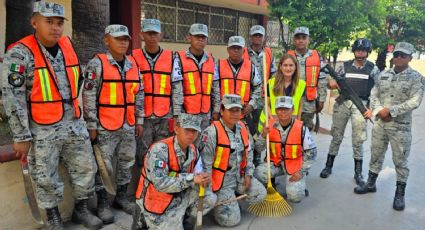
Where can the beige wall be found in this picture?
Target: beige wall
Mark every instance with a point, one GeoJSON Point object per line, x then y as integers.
{"type": "Point", "coordinates": [2, 25]}
{"type": "Point", "coordinates": [68, 15]}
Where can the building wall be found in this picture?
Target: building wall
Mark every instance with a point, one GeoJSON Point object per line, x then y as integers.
{"type": "Point", "coordinates": [68, 15]}
{"type": "Point", "coordinates": [2, 26]}
{"type": "Point", "coordinates": [218, 51]}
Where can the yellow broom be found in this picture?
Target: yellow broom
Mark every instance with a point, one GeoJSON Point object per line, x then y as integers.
{"type": "Point", "coordinates": [273, 204]}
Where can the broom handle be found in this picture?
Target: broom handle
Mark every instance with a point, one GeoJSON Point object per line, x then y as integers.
{"type": "Point", "coordinates": [266, 106]}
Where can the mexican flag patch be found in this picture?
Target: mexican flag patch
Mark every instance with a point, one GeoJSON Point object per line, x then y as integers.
{"type": "Point", "coordinates": [159, 164]}
{"type": "Point", "coordinates": [91, 75]}
{"type": "Point", "coordinates": [17, 68]}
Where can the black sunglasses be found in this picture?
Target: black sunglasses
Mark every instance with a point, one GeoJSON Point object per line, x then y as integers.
{"type": "Point", "coordinates": [400, 54]}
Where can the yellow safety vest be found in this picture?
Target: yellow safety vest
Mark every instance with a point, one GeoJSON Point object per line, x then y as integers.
{"type": "Point", "coordinates": [296, 98]}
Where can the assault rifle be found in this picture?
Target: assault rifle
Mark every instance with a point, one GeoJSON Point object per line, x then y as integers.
{"type": "Point", "coordinates": [346, 92]}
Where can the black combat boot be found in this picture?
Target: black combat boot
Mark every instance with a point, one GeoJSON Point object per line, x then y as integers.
{"type": "Point", "coordinates": [369, 186]}
{"type": "Point", "coordinates": [358, 177]}
{"type": "Point", "coordinates": [328, 168]}
{"type": "Point", "coordinates": [398, 203]}
{"type": "Point", "coordinates": [54, 219]}
{"type": "Point", "coordinates": [82, 215]}
{"type": "Point", "coordinates": [104, 211]}
{"type": "Point", "coordinates": [121, 200]}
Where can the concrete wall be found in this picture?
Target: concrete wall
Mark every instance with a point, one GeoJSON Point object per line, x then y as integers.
{"type": "Point", "coordinates": [2, 26]}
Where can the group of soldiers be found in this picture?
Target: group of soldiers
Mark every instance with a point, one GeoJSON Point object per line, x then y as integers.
{"type": "Point", "coordinates": [189, 122]}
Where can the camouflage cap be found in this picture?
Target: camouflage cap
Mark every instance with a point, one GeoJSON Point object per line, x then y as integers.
{"type": "Point", "coordinates": [257, 29]}
{"type": "Point", "coordinates": [236, 41]}
{"type": "Point", "coordinates": [117, 31]}
{"type": "Point", "coordinates": [49, 9]}
{"type": "Point", "coordinates": [189, 121]}
{"type": "Point", "coordinates": [231, 101]}
{"type": "Point", "coordinates": [404, 47]}
{"type": "Point", "coordinates": [284, 102]}
{"type": "Point", "coordinates": [151, 25]}
{"type": "Point", "coordinates": [302, 30]}
{"type": "Point", "coordinates": [198, 29]}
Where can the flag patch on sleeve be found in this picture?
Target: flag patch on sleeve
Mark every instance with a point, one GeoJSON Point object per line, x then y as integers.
{"type": "Point", "coordinates": [17, 68]}
{"type": "Point", "coordinates": [159, 164]}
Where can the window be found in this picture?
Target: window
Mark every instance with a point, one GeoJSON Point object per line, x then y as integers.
{"type": "Point", "coordinates": [176, 17]}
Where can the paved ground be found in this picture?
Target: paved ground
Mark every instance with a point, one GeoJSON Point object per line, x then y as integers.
{"type": "Point", "coordinates": [332, 203]}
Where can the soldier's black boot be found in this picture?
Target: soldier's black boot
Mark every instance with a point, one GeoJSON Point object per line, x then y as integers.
{"type": "Point", "coordinates": [328, 167]}
{"type": "Point", "coordinates": [121, 200]}
{"type": "Point", "coordinates": [358, 177]}
{"type": "Point", "coordinates": [369, 186]}
{"type": "Point", "coordinates": [104, 211]}
{"type": "Point", "coordinates": [54, 219]}
{"type": "Point", "coordinates": [188, 223]}
{"type": "Point", "coordinates": [398, 203]}
{"type": "Point", "coordinates": [82, 215]}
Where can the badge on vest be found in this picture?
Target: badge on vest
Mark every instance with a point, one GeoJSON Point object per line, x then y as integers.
{"type": "Point", "coordinates": [16, 79]}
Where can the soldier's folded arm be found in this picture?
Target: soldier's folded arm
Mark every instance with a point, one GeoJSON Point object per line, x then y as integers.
{"type": "Point", "coordinates": [158, 172]}
{"type": "Point", "coordinates": [417, 91]}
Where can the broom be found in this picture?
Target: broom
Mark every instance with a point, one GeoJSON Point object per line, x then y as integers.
{"type": "Point", "coordinates": [273, 204]}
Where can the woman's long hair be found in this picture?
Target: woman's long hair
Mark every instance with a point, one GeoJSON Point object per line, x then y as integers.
{"type": "Point", "coordinates": [279, 84]}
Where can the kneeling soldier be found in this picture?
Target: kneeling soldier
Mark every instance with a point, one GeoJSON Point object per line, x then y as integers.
{"type": "Point", "coordinates": [227, 154]}
{"type": "Point", "coordinates": [290, 142]}
{"type": "Point", "coordinates": [170, 172]}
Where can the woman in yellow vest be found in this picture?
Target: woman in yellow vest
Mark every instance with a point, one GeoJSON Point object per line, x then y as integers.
{"type": "Point", "coordinates": [286, 82]}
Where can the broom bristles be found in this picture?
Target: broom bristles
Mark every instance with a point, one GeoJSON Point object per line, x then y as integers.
{"type": "Point", "coordinates": [272, 206]}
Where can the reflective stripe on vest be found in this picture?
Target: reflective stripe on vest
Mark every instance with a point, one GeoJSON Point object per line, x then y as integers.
{"type": "Point", "coordinates": [293, 157]}
{"type": "Point", "coordinates": [154, 201]}
{"type": "Point", "coordinates": [222, 154]}
{"type": "Point", "coordinates": [116, 95]}
{"type": "Point", "coordinates": [45, 96]}
{"type": "Point", "coordinates": [197, 84]}
{"type": "Point", "coordinates": [157, 82]}
{"type": "Point", "coordinates": [296, 98]}
{"type": "Point", "coordinates": [239, 83]}
{"type": "Point", "coordinates": [268, 56]}
{"type": "Point", "coordinates": [312, 71]}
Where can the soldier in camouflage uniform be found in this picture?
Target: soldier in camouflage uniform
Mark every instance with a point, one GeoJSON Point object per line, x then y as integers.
{"type": "Point", "coordinates": [158, 123]}
{"type": "Point", "coordinates": [397, 92]}
{"type": "Point", "coordinates": [198, 37]}
{"type": "Point", "coordinates": [240, 72]}
{"type": "Point", "coordinates": [226, 153]}
{"type": "Point", "coordinates": [115, 134]}
{"type": "Point", "coordinates": [171, 175]}
{"type": "Point", "coordinates": [360, 74]}
{"type": "Point", "coordinates": [284, 130]}
{"type": "Point", "coordinates": [40, 94]}
{"type": "Point", "coordinates": [312, 59]}
{"type": "Point", "coordinates": [256, 51]}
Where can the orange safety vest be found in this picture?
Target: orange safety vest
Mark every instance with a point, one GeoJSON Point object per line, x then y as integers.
{"type": "Point", "coordinates": [222, 154]}
{"type": "Point", "coordinates": [293, 158]}
{"type": "Point", "coordinates": [116, 95]}
{"type": "Point", "coordinates": [157, 82]}
{"type": "Point", "coordinates": [312, 71]}
{"type": "Point", "coordinates": [197, 84]}
{"type": "Point", "coordinates": [45, 101]}
{"type": "Point", "coordinates": [239, 83]}
{"type": "Point", "coordinates": [154, 201]}
{"type": "Point", "coordinates": [269, 58]}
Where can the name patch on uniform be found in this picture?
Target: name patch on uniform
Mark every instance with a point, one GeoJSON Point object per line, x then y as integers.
{"type": "Point", "coordinates": [159, 164]}
{"type": "Point", "coordinates": [16, 79]}
{"type": "Point", "coordinates": [17, 68]}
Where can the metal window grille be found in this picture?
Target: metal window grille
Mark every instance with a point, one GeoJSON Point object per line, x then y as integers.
{"type": "Point", "coordinates": [176, 17]}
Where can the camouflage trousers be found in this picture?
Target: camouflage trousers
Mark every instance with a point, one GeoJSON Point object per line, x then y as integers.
{"type": "Point", "coordinates": [400, 138]}
{"type": "Point", "coordinates": [75, 152]}
{"type": "Point", "coordinates": [294, 190]}
{"type": "Point", "coordinates": [307, 118]}
{"type": "Point", "coordinates": [341, 114]}
{"type": "Point", "coordinates": [229, 215]}
{"type": "Point", "coordinates": [153, 131]}
{"type": "Point", "coordinates": [121, 145]}
{"type": "Point", "coordinates": [183, 203]}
